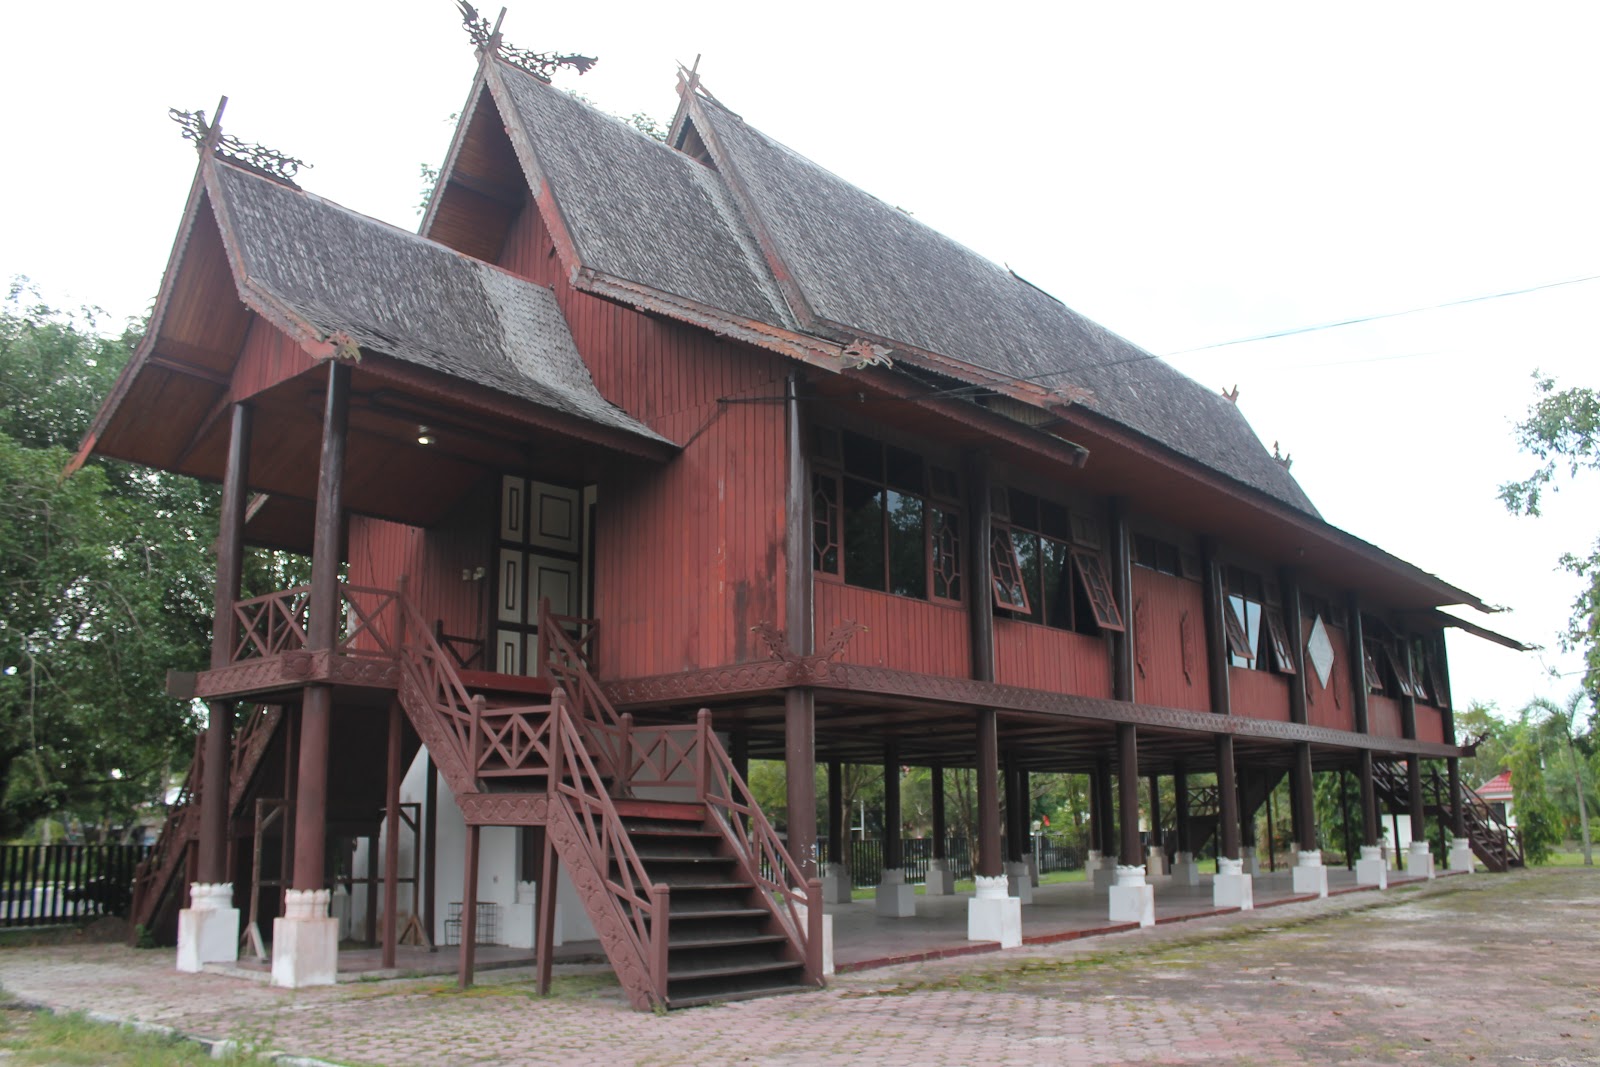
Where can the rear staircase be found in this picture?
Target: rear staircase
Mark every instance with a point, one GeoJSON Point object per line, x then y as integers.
{"type": "Point", "coordinates": [1495, 843]}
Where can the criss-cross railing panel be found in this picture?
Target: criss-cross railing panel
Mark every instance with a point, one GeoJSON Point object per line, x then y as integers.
{"type": "Point", "coordinates": [510, 741]}
{"type": "Point", "coordinates": [273, 624]}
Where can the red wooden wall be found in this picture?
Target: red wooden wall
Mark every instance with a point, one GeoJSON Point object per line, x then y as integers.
{"type": "Point", "coordinates": [1383, 716]}
{"type": "Point", "coordinates": [688, 557]}
{"type": "Point", "coordinates": [903, 634]}
{"type": "Point", "coordinates": [268, 357]}
{"type": "Point", "coordinates": [1165, 674]}
{"type": "Point", "coordinates": [1037, 657]}
{"type": "Point", "coordinates": [1258, 694]}
{"type": "Point", "coordinates": [1330, 707]}
{"type": "Point", "coordinates": [1430, 724]}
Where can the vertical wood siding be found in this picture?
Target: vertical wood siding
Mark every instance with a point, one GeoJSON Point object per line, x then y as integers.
{"type": "Point", "coordinates": [903, 634]}
{"type": "Point", "coordinates": [1383, 716]}
{"type": "Point", "coordinates": [1430, 724]}
{"type": "Point", "coordinates": [1329, 707]}
{"type": "Point", "coordinates": [1161, 604]}
{"type": "Point", "coordinates": [689, 556]}
{"type": "Point", "coordinates": [1038, 657]}
{"type": "Point", "coordinates": [1258, 694]}
{"type": "Point", "coordinates": [267, 358]}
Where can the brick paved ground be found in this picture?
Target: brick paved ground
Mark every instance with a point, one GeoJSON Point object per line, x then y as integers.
{"type": "Point", "coordinates": [1491, 969]}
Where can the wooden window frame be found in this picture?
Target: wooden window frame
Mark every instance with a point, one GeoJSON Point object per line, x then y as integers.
{"type": "Point", "coordinates": [1278, 638]}
{"type": "Point", "coordinates": [1238, 636]}
{"type": "Point", "coordinates": [1091, 569]}
{"type": "Point", "coordinates": [1006, 572]}
{"type": "Point", "coordinates": [1369, 668]}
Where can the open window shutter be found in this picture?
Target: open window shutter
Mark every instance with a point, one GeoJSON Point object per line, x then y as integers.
{"type": "Point", "coordinates": [1092, 569]}
{"type": "Point", "coordinates": [1009, 592]}
{"type": "Point", "coordinates": [1436, 675]}
{"type": "Point", "coordinates": [1374, 679]}
{"type": "Point", "coordinates": [1281, 652]}
{"type": "Point", "coordinates": [1402, 672]}
{"type": "Point", "coordinates": [1238, 640]}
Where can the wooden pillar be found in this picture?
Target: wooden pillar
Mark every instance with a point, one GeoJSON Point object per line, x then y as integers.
{"type": "Point", "coordinates": [1180, 795]}
{"type": "Point", "coordinates": [1155, 810]}
{"type": "Point", "coordinates": [1227, 800]}
{"type": "Point", "coordinates": [1216, 629]}
{"type": "Point", "coordinates": [893, 847]}
{"type": "Point", "coordinates": [311, 799]}
{"type": "Point", "coordinates": [430, 852]}
{"type": "Point", "coordinates": [1013, 807]}
{"type": "Point", "coordinates": [372, 889]}
{"type": "Point", "coordinates": [391, 844]}
{"type": "Point", "coordinates": [1344, 821]}
{"type": "Point", "coordinates": [1458, 817]}
{"type": "Point", "coordinates": [214, 785]}
{"type": "Point", "coordinates": [1129, 852]}
{"type": "Point", "coordinates": [739, 753]}
{"type": "Point", "coordinates": [544, 934]}
{"type": "Point", "coordinates": [1302, 792]}
{"type": "Point", "coordinates": [1108, 818]}
{"type": "Point", "coordinates": [836, 816]}
{"type": "Point", "coordinates": [989, 864]}
{"type": "Point", "coordinates": [1024, 812]}
{"type": "Point", "coordinates": [1122, 673]}
{"type": "Point", "coordinates": [940, 828]}
{"type": "Point", "coordinates": [1415, 808]}
{"type": "Point", "coordinates": [980, 619]}
{"type": "Point", "coordinates": [1247, 815]}
{"type": "Point", "coordinates": [799, 704]}
{"type": "Point", "coordinates": [1370, 817]}
{"type": "Point", "coordinates": [469, 910]}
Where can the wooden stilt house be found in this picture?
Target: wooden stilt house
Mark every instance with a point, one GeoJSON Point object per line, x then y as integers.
{"type": "Point", "coordinates": [634, 429]}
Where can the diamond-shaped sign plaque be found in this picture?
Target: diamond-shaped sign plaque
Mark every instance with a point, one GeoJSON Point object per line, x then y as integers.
{"type": "Point", "coordinates": [1320, 649]}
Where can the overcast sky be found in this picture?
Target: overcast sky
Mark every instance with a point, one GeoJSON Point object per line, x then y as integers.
{"type": "Point", "coordinates": [1183, 174]}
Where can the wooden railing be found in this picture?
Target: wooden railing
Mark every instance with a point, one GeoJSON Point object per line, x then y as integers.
{"type": "Point", "coordinates": [154, 873]}
{"type": "Point", "coordinates": [277, 623]}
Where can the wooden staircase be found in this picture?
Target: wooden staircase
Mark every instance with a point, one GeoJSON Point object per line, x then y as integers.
{"type": "Point", "coordinates": [692, 894]}
{"type": "Point", "coordinates": [1204, 809]}
{"type": "Point", "coordinates": [1495, 843]}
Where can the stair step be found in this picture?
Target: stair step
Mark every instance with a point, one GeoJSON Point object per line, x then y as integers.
{"type": "Point", "coordinates": [692, 858]}
{"type": "Point", "coordinates": [711, 911]}
{"type": "Point", "coordinates": [661, 809]}
{"type": "Point", "coordinates": [703, 999]}
{"type": "Point", "coordinates": [730, 970]}
{"type": "Point", "coordinates": [688, 944]}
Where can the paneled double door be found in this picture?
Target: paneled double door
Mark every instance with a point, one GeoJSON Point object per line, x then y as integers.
{"type": "Point", "coordinates": [542, 551]}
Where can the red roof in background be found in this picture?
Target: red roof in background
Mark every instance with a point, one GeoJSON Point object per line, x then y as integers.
{"type": "Point", "coordinates": [1497, 788]}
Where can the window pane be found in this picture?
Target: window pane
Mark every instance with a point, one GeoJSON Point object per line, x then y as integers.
{"type": "Point", "coordinates": [1009, 593]}
{"type": "Point", "coordinates": [945, 484]}
{"type": "Point", "coordinates": [908, 567]}
{"type": "Point", "coordinates": [1024, 510]}
{"type": "Point", "coordinates": [905, 470]}
{"type": "Point", "coordinates": [863, 534]}
{"type": "Point", "coordinates": [863, 456]}
{"type": "Point", "coordinates": [1027, 545]}
{"type": "Point", "coordinates": [1091, 568]}
{"type": "Point", "coordinates": [1240, 649]}
{"type": "Point", "coordinates": [945, 540]}
{"type": "Point", "coordinates": [1054, 521]}
{"type": "Point", "coordinates": [827, 443]}
{"type": "Point", "coordinates": [1057, 586]}
{"type": "Point", "coordinates": [825, 523]}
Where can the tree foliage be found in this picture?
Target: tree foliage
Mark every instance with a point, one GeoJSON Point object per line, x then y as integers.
{"type": "Point", "coordinates": [1562, 431]}
{"type": "Point", "coordinates": [105, 585]}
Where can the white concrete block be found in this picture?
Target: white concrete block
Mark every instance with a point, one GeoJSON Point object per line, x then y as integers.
{"type": "Point", "coordinates": [836, 884]}
{"type": "Point", "coordinates": [994, 915]}
{"type": "Point", "coordinates": [941, 879]}
{"type": "Point", "coordinates": [1231, 887]}
{"type": "Point", "coordinates": [1132, 898]}
{"type": "Point", "coordinates": [1461, 858]}
{"type": "Point", "coordinates": [1155, 863]}
{"type": "Point", "coordinates": [305, 941]}
{"type": "Point", "coordinates": [1105, 876]}
{"type": "Point", "coordinates": [1372, 868]}
{"type": "Point", "coordinates": [1310, 876]}
{"type": "Point", "coordinates": [895, 898]}
{"type": "Point", "coordinates": [1185, 871]}
{"type": "Point", "coordinates": [1419, 860]}
{"type": "Point", "coordinates": [1251, 862]}
{"type": "Point", "coordinates": [827, 936]}
{"type": "Point", "coordinates": [1020, 885]}
{"type": "Point", "coordinates": [208, 929]}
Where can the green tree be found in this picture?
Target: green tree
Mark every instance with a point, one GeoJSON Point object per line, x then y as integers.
{"type": "Point", "coordinates": [1562, 728]}
{"type": "Point", "coordinates": [1562, 431]}
{"type": "Point", "coordinates": [105, 585]}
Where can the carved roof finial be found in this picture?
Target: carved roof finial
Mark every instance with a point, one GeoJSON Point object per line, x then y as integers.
{"type": "Point", "coordinates": [209, 138]}
{"type": "Point", "coordinates": [488, 41]}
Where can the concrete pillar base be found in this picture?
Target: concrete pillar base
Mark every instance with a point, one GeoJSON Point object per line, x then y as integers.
{"type": "Point", "coordinates": [208, 929]}
{"type": "Point", "coordinates": [993, 914]}
{"type": "Point", "coordinates": [1132, 899]}
{"type": "Point", "coordinates": [894, 898]}
{"type": "Point", "coordinates": [1021, 886]}
{"type": "Point", "coordinates": [1461, 854]}
{"type": "Point", "coordinates": [1232, 888]}
{"type": "Point", "coordinates": [516, 921]}
{"type": "Point", "coordinates": [1105, 876]}
{"type": "Point", "coordinates": [1185, 871]}
{"type": "Point", "coordinates": [827, 936]}
{"type": "Point", "coordinates": [1310, 876]}
{"type": "Point", "coordinates": [1155, 863]}
{"type": "Point", "coordinates": [1033, 868]}
{"type": "Point", "coordinates": [1251, 861]}
{"type": "Point", "coordinates": [836, 884]}
{"type": "Point", "coordinates": [941, 879]}
{"type": "Point", "coordinates": [1372, 868]}
{"type": "Point", "coordinates": [305, 941]}
{"type": "Point", "coordinates": [1419, 860]}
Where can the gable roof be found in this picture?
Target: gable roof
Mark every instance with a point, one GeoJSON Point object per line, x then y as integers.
{"type": "Point", "coordinates": [407, 297]}
{"type": "Point", "coordinates": [1497, 788]}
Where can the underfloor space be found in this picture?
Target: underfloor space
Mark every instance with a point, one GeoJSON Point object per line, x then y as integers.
{"type": "Point", "coordinates": [863, 939]}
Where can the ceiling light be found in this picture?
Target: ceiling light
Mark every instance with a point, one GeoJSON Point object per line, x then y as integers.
{"type": "Point", "coordinates": [425, 436]}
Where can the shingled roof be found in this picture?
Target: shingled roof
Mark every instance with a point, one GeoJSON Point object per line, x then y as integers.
{"type": "Point", "coordinates": [407, 297]}
{"type": "Point", "coordinates": [854, 266]}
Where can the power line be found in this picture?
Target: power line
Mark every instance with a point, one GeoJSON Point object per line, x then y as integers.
{"type": "Point", "coordinates": [1377, 318]}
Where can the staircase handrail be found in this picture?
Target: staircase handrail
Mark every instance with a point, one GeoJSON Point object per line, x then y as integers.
{"type": "Point", "coordinates": [151, 874]}
{"type": "Point", "coordinates": [570, 666]}
{"type": "Point", "coordinates": [431, 672]}
{"type": "Point", "coordinates": [643, 906]}
{"type": "Point", "coordinates": [794, 898]}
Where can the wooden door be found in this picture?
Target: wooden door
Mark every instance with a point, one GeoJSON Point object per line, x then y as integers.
{"type": "Point", "coordinates": [539, 553]}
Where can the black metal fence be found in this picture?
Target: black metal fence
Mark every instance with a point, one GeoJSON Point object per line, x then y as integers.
{"type": "Point", "coordinates": [866, 857]}
{"type": "Point", "coordinates": [44, 885]}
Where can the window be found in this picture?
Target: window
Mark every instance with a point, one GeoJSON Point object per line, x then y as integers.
{"type": "Point", "coordinates": [874, 520]}
{"type": "Point", "coordinates": [1041, 575]}
{"type": "Point", "coordinates": [1245, 609]}
{"type": "Point", "coordinates": [1156, 555]}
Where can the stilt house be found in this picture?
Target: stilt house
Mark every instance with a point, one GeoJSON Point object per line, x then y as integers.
{"type": "Point", "coordinates": [635, 429]}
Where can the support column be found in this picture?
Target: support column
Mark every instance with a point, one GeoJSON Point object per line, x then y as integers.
{"type": "Point", "coordinates": [1018, 883]}
{"type": "Point", "coordinates": [895, 898]}
{"type": "Point", "coordinates": [469, 912]}
{"type": "Point", "coordinates": [1132, 898]}
{"type": "Point", "coordinates": [799, 705]}
{"type": "Point", "coordinates": [1105, 874]}
{"type": "Point", "coordinates": [391, 843]}
{"type": "Point", "coordinates": [1231, 888]}
{"type": "Point", "coordinates": [208, 929]}
{"type": "Point", "coordinates": [941, 879]}
{"type": "Point", "coordinates": [1247, 830]}
{"type": "Point", "coordinates": [992, 913]}
{"type": "Point", "coordinates": [1310, 876]}
{"type": "Point", "coordinates": [1184, 869]}
{"type": "Point", "coordinates": [1371, 868]}
{"type": "Point", "coordinates": [430, 852]}
{"type": "Point", "coordinates": [1419, 857]}
{"type": "Point", "coordinates": [305, 941]}
{"type": "Point", "coordinates": [1460, 847]}
{"type": "Point", "coordinates": [799, 720]}
{"type": "Point", "coordinates": [836, 877]}
{"type": "Point", "coordinates": [1155, 855]}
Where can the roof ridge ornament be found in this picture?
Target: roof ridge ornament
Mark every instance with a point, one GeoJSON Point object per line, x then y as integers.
{"type": "Point", "coordinates": [863, 353]}
{"type": "Point", "coordinates": [488, 41]}
{"type": "Point", "coordinates": [208, 137]}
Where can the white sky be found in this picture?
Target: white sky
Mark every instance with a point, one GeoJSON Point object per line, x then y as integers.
{"type": "Point", "coordinates": [1184, 174]}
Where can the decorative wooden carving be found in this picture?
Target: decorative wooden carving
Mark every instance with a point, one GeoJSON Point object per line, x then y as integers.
{"type": "Point", "coordinates": [1141, 637]}
{"type": "Point", "coordinates": [1186, 646]}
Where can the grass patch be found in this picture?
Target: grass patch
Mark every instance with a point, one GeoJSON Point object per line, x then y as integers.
{"type": "Point", "coordinates": [42, 1038]}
